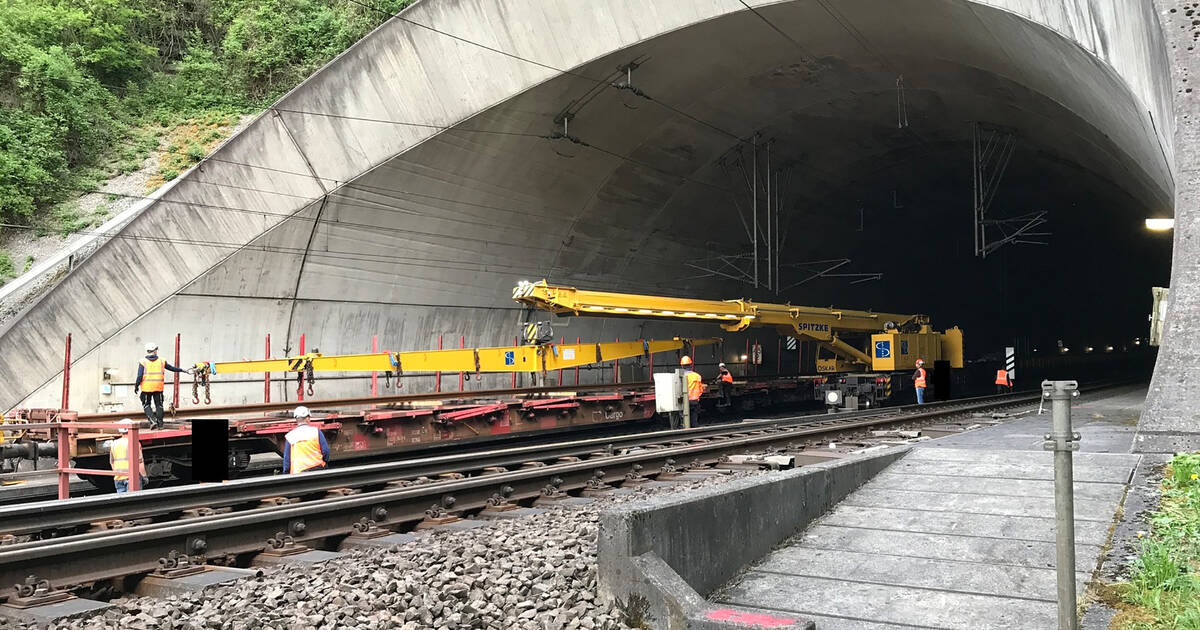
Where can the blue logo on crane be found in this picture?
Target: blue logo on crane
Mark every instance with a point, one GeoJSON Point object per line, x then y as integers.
{"type": "Point", "coordinates": [883, 349]}
{"type": "Point", "coordinates": [510, 358]}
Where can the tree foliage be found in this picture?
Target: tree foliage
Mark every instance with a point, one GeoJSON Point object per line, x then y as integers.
{"type": "Point", "coordinates": [76, 75]}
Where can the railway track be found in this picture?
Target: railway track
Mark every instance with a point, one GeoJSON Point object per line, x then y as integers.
{"type": "Point", "coordinates": [95, 539]}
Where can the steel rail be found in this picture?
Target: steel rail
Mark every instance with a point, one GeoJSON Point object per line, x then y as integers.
{"type": "Point", "coordinates": [56, 517]}
{"type": "Point", "coordinates": [90, 557]}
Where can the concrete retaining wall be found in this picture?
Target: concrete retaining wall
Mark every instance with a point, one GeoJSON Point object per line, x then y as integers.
{"type": "Point", "coordinates": [676, 548]}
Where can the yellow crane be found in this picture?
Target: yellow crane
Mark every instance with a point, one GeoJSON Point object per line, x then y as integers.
{"type": "Point", "coordinates": [895, 340]}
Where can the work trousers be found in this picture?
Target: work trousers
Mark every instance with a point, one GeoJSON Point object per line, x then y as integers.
{"type": "Point", "coordinates": [920, 395]}
{"type": "Point", "coordinates": [122, 485]}
{"type": "Point", "coordinates": [155, 416]}
{"type": "Point", "coordinates": [726, 393]}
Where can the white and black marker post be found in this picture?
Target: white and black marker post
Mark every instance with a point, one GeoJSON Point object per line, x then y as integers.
{"type": "Point", "coordinates": [1063, 441]}
{"type": "Point", "coordinates": [1010, 362]}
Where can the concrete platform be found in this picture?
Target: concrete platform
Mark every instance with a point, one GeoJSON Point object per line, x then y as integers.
{"type": "Point", "coordinates": [156, 586]}
{"type": "Point", "coordinates": [957, 534]}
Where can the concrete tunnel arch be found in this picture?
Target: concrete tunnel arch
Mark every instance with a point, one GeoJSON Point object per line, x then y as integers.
{"type": "Point", "coordinates": [402, 189]}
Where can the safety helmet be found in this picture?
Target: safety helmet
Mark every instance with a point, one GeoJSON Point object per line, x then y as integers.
{"type": "Point", "coordinates": [720, 365]}
{"type": "Point", "coordinates": [300, 412]}
{"type": "Point", "coordinates": [151, 347]}
{"type": "Point", "coordinates": [686, 360]}
{"type": "Point", "coordinates": [920, 361]}
{"type": "Point", "coordinates": [125, 422]}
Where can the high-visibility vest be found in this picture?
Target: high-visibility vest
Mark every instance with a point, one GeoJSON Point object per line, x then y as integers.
{"type": "Point", "coordinates": [920, 380]}
{"type": "Point", "coordinates": [1002, 378]}
{"type": "Point", "coordinates": [152, 374]}
{"type": "Point", "coordinates": [118, 458]}
{"type": "Point", "coordinates": [695, 386]}
{"type": "Point", "coordinates": [727, 377]}
{"type": "Point", "coordinates": [304, 444]}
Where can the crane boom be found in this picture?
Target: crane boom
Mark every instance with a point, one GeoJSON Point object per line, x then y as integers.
{"type": "Point", "coordinates": [893, 336]}
{"type": "Point", "coordinates": [818, 323]}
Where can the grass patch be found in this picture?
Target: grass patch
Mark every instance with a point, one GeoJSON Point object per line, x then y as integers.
{"type": "Point", "coordinates": [7, 272]}
{"type": "Point", "coordinates": [1163, 592]}
{"type": "Point", "coordinates": [187, 142]}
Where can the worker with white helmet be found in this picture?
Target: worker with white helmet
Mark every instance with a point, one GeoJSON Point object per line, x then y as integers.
{"type": "Point", "coordinates": [920, 381]}
{"type": "Point", "coordinates": [725, 380]}
{"type": "Point", "coordinates": [305, 447]}
{"type": "Point", "coordinates": [150, 380]}
{"type": "Point", "coordinates": [118, 459]}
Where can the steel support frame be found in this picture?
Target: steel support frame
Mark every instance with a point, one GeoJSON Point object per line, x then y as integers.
{"type": "Point", "coordinates": [991, 151]}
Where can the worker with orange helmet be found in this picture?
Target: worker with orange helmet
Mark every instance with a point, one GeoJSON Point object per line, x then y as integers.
{"type": "Point", "coordinates": [695, 384]}
{"type": "Point", "coordinates": [920, 380]}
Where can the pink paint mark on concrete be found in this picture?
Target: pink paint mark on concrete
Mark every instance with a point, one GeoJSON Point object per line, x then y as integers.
{"type": "Point", "coordinates": [756, 619]}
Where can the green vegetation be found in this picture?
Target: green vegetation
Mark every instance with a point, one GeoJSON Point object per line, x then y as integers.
{"type": "Point", "coordinates": [1163, 592]}
{"type": "Point", "coordinates": [90, 88]}
{"type": "Point", "coordinates": [6, 267]}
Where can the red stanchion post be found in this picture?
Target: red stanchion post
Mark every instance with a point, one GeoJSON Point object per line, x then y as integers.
{"type": "Point", "coordinates": [779, 356]}
{"type": "Point", "coordinates": [651, 368]}
{"type": "Point", "coordinates": [135, 459]}
{"type": "Point", "coordinates": [300, 375]}
{"type": "Point", "coordinates": [746, 362]}
{"type": "Point", "coordinates": [577, 367]}
{"type": "Point", "coordinates": [267, 375]}
{"type": "Point", "coordinates": [561, 343]}
{"type": "Point", "coordinates": [617, 367]}
{"type": "Point", "coordinates": [514, 374]}
{"type": "Point", "coordinates": [374, 375]}
{"type": "Point", "coordinates": [462, 343]}
{"type": "Point", "coordinates": [66, 391]}
{"type": "Point", "coordinates": [437, 384]}
{"type": "Point", "coordinates": [175, 394]}
{"type": "Point", "coordinates": [64, 460]}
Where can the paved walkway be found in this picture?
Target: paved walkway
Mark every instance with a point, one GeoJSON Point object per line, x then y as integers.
{"type": "Point", "coordinates": [958, 534]}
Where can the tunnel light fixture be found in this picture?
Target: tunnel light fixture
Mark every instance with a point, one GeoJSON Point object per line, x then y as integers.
{"type": "Point", "coordinates": [744, 357]}
{"type": "Point", "coordinates": [1160, 225]}
{"type": "Point", "coordinates": [1108, 348]}
{"type": "Point", "coordinates": [1088, 349]}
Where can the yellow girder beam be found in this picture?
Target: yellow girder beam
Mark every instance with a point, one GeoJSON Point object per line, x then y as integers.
{"type": "Point", "coordinates": [818, 323]}
{"type": "Point", "coordinates": [503, 359]}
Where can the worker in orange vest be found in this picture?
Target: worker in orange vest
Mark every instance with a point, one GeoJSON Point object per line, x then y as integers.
{"type": "Point", "coordinates": [150, 378]}
{"type": "Point", "coordinates": [695, 384]}
{"type": "Point", "coordinates": [304, 447]}
{"type": "Point", "coordinates": [920, 381]}
{"type": "Point", "coordinates": [1003, 383]}
{"type": "Point", "coordinates": [725, 380]}
{"type": "Point", "coordinates": [118, 459]}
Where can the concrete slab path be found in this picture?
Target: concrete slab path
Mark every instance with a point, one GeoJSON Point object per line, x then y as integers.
{"type": "Point", "coordinates": [958, 534]}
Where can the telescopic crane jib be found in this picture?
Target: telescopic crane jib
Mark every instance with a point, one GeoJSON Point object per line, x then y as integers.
{"type": "Point", "coordinates": [896, 340]}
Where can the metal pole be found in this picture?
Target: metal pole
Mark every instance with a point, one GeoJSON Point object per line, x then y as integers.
{"type": "Point", "coordinates": [681, 374]}
{"type": "Point", "coordinates": [770, 241]}
{"type": "Point", "coordinates": [437, 386]}
{"type": "Point", "coordinates": [175, 395]}
{"type": "Point", "coordinates": [64, 461]}
{"type": "Point", "coordinates": [462, 343]}
{"type": "Point", "coordinates": [562, 342]}
{"type": "Point", "coordinates": [1063, 441]}
{"type": "Point", "coordinates": [135, 460]}
{"type": "Point", "coordinates": [267, 375]}
{"type": "Point", "coordinates": [374, 375]}
{"type": "Point", "coordinates": [650, 370]}
{"type": "Point", "coordinates": [617, 367]}
{"type": "Point", "coordinates": [577, 367]}
{"type": "Point", "coordinates": [300, 375]}
{"type": "Point", "coordinates": [754, 202]}
{"type": "Point", "coordinates": [514, 374]}
{"type": "Point", "coordinates": [66, 392]}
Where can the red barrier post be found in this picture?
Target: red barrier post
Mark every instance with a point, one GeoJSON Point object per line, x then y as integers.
{"type": "Point", "coordinates": [462, 344]}
{"type": "Point", "coordinates": [175, 395]}
{"type": "Point", "coordinates": [577, 367]}
{"type": "Point", "coordinates": [563, 342]}
{"type": "Point", "coordinates": [374, 375]}
{"type": "Point", "coordinates": [779, 356]}
{"type": "Point", "coordinates": [437, 385]}
{"type": "Point", "coordinates": [514, 379]}
{"type": "Point", "coordinates": [135, 459]}
{"type": "Point", "coordinates": [300, 375]}
{"type": "Point", "coordinates": [756, 347]}
{"type": "Point", "coordinates": [746, 362]}
{"type": "Point", "coordinates": [64, 460]}
{"type": "Point", "coordinates": [617, 367]}
{"type": "Point", "coordinates": [267, 375]}
{"type": "Point", "coordinates": [651, 363]}
{"type": "Point", "coordinates": [66, 392]}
